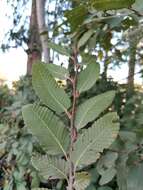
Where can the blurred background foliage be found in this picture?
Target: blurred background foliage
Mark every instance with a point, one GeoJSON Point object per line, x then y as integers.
{"type": "Point", "coordinates": [113, 33]}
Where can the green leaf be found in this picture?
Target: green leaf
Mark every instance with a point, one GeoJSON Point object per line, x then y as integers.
{"type": "Point", "coordinates": [87, 58]}
{"type": "Point", "coordinates": [106, 161]}
{"type": "Point", "coordinates": [110, 4]}
{"type": "Point", "coordinates": [8, 186]}
{"type": "Point", "coordinates": [138, 5]}
{"type": "Point", "coordinates": [94, 175]}
{"type": "Point", "coordinates": [82, 180]}
{"type": "Point", "coordinates": [127, 136]}
{"type": "Point", "coordinates": [51, 167]}
{"type": "Point", "coordinates": [50, 131]}
{"type": "Point", "coordinates": [60, 49]}
{"type": "Point", "coordinates": [95, 139]}
{"type": "Point", "coordinates": [20, 186]}
{"type": "Point", "coordinates": [92, 108]}
{"type": "Point", "coordinates": [88, 77]}
{"type": "Point", "coordinates": [1, 126]}
{"type": "Point", "coordinates": [122, 171]}
{"type": "Point", "coordinates": [40, 189]}
{"type": "Point", "coordinates": [35, 179]}
{"type": "Point", "coordinates": [76, 16]}
{"type": "Point", "coordinates": [134, 179]}
{"type": "Point", "coordinates": [47, 89]}
{"type": "Point", "coordinates": [107, 176]}
{"type": "Point", "coordinates": [106, 167]}
{"type": "Point", "coordinates": [85, 37]}
{"type": "Point", "coordinates": [57, 71]}
{"type": "Point", "coordinates": [91, 187]}
{"type": "Point", "coordinates": [104, 188]}
{"type": "Point", "coordinates": [114, 22]}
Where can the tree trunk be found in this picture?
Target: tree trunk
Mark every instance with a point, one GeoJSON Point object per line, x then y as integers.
{"type": "Point", "coordinates": [43, 29]}
{"type": "Point", "coordinates": [34, 45]}
{"type": "Point", "coordinates": [131, 71]}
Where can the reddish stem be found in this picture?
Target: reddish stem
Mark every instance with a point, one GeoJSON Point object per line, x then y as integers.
{"type": "Point", "coordinates": [73, 130]}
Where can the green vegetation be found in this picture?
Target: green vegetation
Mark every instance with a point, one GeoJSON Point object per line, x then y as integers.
{"type": "Point", "coordinates": [70, 139]}
{"type": "Point", "coordinates": [73, 127]}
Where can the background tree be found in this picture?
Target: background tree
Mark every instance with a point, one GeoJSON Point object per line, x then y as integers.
{"type": "Point", "coordinates": [43, 32]}
{"type": "Point", "coordinates": [24, 31]}
{"type": "Point", "coordinates": [109, 35]}
{"type": "Point", "coordinates": [34, 50]}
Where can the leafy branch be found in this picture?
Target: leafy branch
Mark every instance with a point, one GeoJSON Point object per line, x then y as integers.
{"type": "Point", "coordinates": [68, 148]}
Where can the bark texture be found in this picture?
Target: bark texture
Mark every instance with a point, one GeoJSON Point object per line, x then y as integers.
{"type": "Point", "coordinates": [34, 44]}
{"type": "Point", "coordinates": [43, 31]}
{"type": "Point", "coordinates": [131, 71]}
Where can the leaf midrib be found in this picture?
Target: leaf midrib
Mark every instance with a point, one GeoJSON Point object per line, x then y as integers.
{"type": "Point", "coordinates": [60, 50]}
{"type": "Point", "coordinates": [85, 83]}
{"type": "Point", "coordinates": [85, 113]}
{"type": "Point", "coordinates": [90, 144]}
{"type": "Point", "coordinates": [60, 72]}
{"type": "Point", "coordinates": [52, 95]}
{"type": "Point", "coordinates": [52, 134]}
{"type": "Point", "coordinates": [60, 171]}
